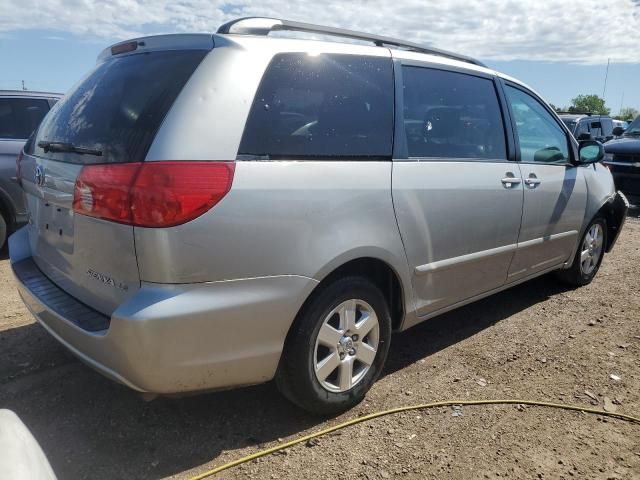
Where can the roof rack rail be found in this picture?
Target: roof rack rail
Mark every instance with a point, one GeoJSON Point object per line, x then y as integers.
{"type": "Point", "coordinates": [265, 25]}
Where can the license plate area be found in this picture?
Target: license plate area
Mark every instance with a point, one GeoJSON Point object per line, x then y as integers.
{"type": "Point", "coordinates": [53, 224]}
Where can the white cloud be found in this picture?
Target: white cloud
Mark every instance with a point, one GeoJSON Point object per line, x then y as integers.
{"type": "Point", "coordinates": [588, 31]}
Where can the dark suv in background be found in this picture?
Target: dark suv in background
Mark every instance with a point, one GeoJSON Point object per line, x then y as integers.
{"type": "Point", "coordinates": [586, 126]}
{"type": "Point", "coordinates": [623, 159]}
{"type": "Point", "coordinates": [20, 114]}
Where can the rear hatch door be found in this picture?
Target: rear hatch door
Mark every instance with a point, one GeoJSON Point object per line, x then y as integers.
{"type": "Point", "coordinates": [111, 116]}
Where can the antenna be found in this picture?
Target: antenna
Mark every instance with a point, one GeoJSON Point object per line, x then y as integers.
{"type": "Point", "coordinates": [606, 75]}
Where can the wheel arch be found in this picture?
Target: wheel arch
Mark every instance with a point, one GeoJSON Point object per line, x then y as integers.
{"type": "Point", "coordinates": [6, 209]}
{"type": "Point", "coordinates": [396, 290]}
{"type": "Point", "coordinates": [614, 211]}
{"type": "Point", "coordinates": [382, 274]}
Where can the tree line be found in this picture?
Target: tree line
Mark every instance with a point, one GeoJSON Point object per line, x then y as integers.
{"type": "Point", "coordinates": [596, 105]}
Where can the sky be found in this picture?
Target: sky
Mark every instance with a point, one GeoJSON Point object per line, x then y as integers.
{"type": "Point", "coordinates": [557, 47]}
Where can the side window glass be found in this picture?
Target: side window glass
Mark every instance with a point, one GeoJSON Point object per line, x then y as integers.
{"type": "Point", "coordinates": [583, 127]}
{"type": "Point", "coordinates": [322, 106]}
{"type": "Point", "coordinates": [541, 138]}
{"type": "Point", "coordinates": [607, 127]}
{"type": "Point", "coordinates": [596, 129]}
{"type": "Point", "coordinates": [21, 116]}
{"type": "Point", "coordinates": [451, 115]}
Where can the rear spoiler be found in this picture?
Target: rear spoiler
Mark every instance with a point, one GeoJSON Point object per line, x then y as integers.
{"type": "Point", "coordinates": [186, 41]}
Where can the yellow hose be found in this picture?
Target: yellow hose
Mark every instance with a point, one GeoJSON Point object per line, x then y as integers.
{"type": "Point", "coordinates": [371, 416]}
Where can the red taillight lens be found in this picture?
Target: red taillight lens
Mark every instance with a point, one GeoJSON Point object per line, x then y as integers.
{"type": "Point", "coordinates": [19, 168]}
{"type": "Point", "coordinates": [103, 191]}
{"type": "Point", "coordinates": [171, 193]}
{"type": "Point", "coordinates": [152, 194]}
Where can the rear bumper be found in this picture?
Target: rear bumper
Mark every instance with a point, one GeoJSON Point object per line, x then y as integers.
{"type": "Point", "coordinates": [175, 338]}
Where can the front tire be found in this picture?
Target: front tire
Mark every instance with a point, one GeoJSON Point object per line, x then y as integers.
{"type": "Point", "coordinates": [336, 348]}
{"type": "Point", "coordinates": [589, 255]}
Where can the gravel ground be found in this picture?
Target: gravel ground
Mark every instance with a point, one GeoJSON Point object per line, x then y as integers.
{"type": "Point", "coordinates": [535, 341]}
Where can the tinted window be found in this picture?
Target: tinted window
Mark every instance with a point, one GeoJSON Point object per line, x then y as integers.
{"type": "Point", "coordinates": [323, 105]}
{"type": "Point", "coordinates": [541, 138]}
{"type": "Point", "coordinates": [571, 124]}
{"type": "Point", "coordinates": [583, 127]}
{"type": "Point", "coordinates": [451, 115]}
{"type": "Point", "coordinates": [21, 116]}
{"type": "Point", "coordinates": [118, 107]}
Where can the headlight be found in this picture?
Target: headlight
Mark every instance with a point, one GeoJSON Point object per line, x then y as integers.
{"type": "Point", "coordinates": [608, 157]}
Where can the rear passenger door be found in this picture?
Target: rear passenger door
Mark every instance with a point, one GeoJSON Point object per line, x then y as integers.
{"type": "Point", "coordinates": [554, 189]}
{"type": "Point", "coordinates": [457, 194]}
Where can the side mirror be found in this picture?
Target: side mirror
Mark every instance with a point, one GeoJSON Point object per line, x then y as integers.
{"type": "Point", "coordinates": [617, 131]}
{"type": "Point", "coordinates": [590, 151]}
{"type": "Point", "coordinates": [584, 136]}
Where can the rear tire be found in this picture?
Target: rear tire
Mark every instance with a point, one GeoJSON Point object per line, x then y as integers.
{"type": "Point", "coordinates": [336, 348]}
{"type": "Point", "coordinates": [589, 256]}
{"type": "Point", "coordinates": [3, 232]}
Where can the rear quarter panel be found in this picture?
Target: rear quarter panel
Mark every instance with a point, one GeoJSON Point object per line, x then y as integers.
{"type": "Point", "coordinates": [281, 218]}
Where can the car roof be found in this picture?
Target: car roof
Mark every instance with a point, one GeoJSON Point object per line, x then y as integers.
{"type": "Point", "coordinates": [29, 93]}
{"type": "Point", "coordinates": [278, 44]}
{"type": "Point", "coordinates": [570, 116]}
{"type": "Point", "coordinates": [253, 33]}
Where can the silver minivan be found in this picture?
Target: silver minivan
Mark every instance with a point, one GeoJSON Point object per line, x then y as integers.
{"type": "Point", "coordinates": [211, 211]}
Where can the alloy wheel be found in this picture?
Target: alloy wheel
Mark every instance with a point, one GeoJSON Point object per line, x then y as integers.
{"type": "Point", "coordinates": [591, 249]}
{"type": "Point", "coordinates": [346, 345]}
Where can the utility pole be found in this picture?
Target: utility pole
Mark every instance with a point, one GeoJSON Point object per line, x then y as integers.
{"type": "Point", "coordinates": [621, 102]}
{"type": "Point", "coordinates": [606, 75]}
{"type": "Point", "coordinates": [23, 87]}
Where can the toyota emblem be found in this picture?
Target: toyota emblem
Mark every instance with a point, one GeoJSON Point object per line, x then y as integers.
{"type": "Point", "coordinates": [39, 176]}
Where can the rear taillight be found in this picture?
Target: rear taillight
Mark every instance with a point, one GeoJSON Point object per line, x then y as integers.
{"type": "Point", "coordinates": [19, 168]}
{"type": "Point", "coordinates": [151, 194]}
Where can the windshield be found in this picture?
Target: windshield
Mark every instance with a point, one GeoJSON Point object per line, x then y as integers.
{"type": "Point", "coordinates": [634, 127]}
{"type": "Point", "coordinates": [113, 114]}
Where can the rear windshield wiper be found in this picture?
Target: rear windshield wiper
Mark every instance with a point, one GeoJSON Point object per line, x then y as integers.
{"type": "Point", "coordinates": [68, 147]}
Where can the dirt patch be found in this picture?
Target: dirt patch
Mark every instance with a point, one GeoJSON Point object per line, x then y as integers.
{"type": "Point", "coordinates": [536, 341]}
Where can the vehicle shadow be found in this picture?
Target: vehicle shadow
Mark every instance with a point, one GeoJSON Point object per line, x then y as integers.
{"type": "Point", "coordinates": [447, 329]}
{"type": "Point", "coordinates": [90, 427]}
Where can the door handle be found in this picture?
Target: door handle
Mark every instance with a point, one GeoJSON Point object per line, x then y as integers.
{"type": "Point", "coordinates": [532, 181]}
{"type": "Point", "coordinates": [510, 180]}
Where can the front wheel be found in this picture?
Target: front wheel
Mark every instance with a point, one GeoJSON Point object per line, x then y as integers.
{"type": "Point", "coordinates": [336, 348]}
{"type": "Point", "coordinates": [589, 255]}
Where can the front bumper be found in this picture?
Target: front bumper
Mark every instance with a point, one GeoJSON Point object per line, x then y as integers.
{"type": "Point", "coordinates": [626, 176]}
{"type": "Point", "coordinates": [172, 338]}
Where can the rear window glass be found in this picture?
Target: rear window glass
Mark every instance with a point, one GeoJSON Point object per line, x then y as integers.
{"type": "Point", "coordinates": [117, 109]}
{"type": "Point", "coordinates": [21, 116]}
{"type": "Point", "coordinates": [451, 115]}
{"type": "Point", "coordinates": [322, 106]}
